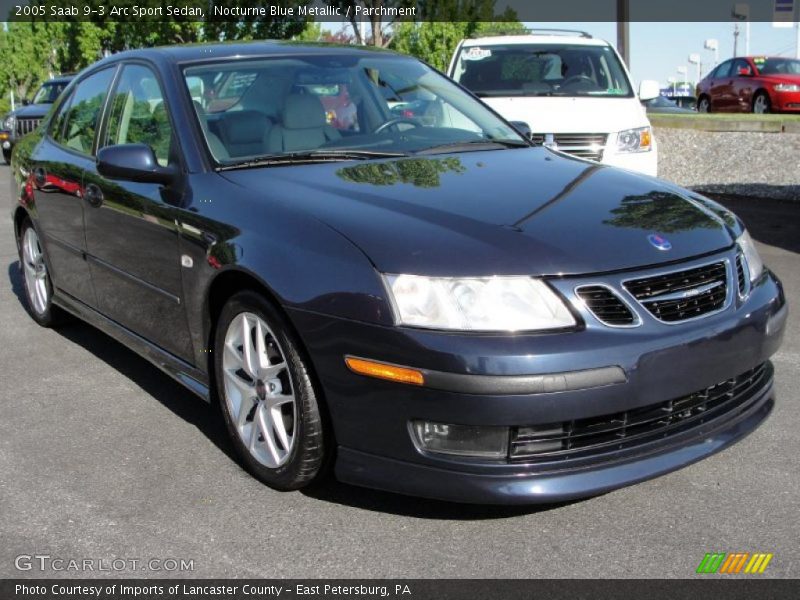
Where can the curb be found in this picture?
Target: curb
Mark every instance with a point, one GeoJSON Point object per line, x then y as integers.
{"type": "Point", "coordinates": [733, 124]}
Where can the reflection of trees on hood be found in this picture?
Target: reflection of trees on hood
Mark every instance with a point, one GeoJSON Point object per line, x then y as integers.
{"type": "Point", "coordinates": [419, 172]}
{"type": "Point", "coordinates": [660, 211]}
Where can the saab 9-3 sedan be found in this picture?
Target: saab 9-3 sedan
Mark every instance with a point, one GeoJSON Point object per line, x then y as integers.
{"type": "Point", "coordinates": [417, 301]}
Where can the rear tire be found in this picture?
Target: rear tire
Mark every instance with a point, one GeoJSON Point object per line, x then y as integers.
{"type": "Point", "coordinates": [704, 105]}
{"type": "Point", "coordinates": [267, 396]}
{"type": "Point", "coordinates": [761, 103]}
{"type": "Point", "coordinates": [37, 284]}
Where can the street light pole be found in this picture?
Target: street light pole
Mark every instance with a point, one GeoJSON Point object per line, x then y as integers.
{"type": "Point", "coordinates": [623, 31]}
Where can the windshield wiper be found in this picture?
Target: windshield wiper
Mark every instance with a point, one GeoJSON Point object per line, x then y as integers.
{"type": "Point", "coordinates": [310, 156]}
{"type": "Point", "coordinates": [474, 145]}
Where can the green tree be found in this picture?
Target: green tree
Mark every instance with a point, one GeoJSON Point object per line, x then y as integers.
{"type": "Point", "coordinates": [444, 23]}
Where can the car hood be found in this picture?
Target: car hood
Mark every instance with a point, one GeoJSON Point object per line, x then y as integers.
{"type": "Point", "coordinates": [781, 78]}
{"type": "Point", "coordinates": [33, 111]}
{"type": "Point", "coordinates": [558, 114]}
{"type": "Point", "coordinates": [520, 211]}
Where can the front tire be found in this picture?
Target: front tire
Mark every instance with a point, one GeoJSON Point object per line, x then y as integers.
{"type": "Point", "coordinates": [761, 103]}
{"type": "Point", "coordinates": [704, 105]}
{"type": "Point", "coordinates": [36, 278]}
{"type": "Point", "coordinates": [7, 156]}
{"type": "Point", "coordinates": [266, 394]}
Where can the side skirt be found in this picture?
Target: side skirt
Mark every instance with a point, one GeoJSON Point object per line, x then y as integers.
{"type": "Point", "coordinates": [190, 377]}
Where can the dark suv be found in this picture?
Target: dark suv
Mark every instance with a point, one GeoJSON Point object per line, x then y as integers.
{"type": "Point", "coordinates": [25, 119]}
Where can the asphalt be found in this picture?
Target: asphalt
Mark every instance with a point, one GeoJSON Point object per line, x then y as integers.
{"type": "Point", "coordinates": [102, 457]}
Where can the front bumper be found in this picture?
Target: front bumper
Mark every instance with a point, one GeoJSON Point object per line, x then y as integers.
{"type": "Point", "coordinates": [641, 162]}
{"type": "Point", "coordinates": [660, 363]}
{"type": "Point", "coordinates": [785, 101]}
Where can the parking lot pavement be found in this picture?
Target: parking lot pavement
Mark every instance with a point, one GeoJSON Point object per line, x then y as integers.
{"type": "Point", "coordinates": [103, 457]}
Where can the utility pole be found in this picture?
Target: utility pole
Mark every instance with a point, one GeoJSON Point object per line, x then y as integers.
{"type": "Point", "coordinates": [624, 31]}
{"type": "Point", "coordinates": [735, 39]}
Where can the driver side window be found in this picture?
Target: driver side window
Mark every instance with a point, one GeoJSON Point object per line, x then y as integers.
{"type": "Point", "coordinates": [138, 114]}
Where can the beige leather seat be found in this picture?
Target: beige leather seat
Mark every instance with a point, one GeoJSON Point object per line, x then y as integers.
{"type": "Point", "coordinates": [303, 126]}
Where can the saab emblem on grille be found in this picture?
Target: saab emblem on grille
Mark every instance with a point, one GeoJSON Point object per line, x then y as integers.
{"type": "Point", "coordinates": [659, 241]}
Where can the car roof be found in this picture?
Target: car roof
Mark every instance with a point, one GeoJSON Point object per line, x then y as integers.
{"type": "Point", "coordinates": [234, 50]}
{"type": "Point", "coordinates": [59, 79]}
{"type": "Point", "coordinates": [556, 39]}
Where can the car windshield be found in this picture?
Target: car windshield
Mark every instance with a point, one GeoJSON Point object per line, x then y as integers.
{"type": "Point", "coordinates": [49, 92]}
{"type": "Point", "coordinates": [778, 66]}
{"type": "Point", "coordinates": [354, 106]}
{"type": "Point", "coordinates": [542, 70]}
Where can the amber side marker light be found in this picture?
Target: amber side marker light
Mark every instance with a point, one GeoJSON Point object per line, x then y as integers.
{"type": "Point", "coordinates": [380, 370]}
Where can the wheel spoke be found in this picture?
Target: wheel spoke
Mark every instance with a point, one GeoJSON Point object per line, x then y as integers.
{"type": "Point", "coordinates": [246, 395]}
{"type": "Point", "coordinates": [279, 427]}
{"type": "Point", "coordinates": [248, 351]}
{"type": "Point", "coordinates": [272, 371]}
{"type": "Point", "coordinates": [267, 427]}
{"type": "Point", "coordinates": [262, 360]}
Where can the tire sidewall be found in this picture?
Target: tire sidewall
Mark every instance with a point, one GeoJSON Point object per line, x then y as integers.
{"type": "Point", "coordinates": [306, 458]}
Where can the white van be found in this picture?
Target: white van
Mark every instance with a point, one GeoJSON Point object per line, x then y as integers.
{"type": "Point", "coordinates": [572, 90]}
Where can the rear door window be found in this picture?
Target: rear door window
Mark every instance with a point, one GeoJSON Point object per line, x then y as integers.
{"type": "Point", "coordinates": [82, 116]}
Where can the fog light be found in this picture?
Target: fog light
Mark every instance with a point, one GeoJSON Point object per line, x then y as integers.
{"type": "Point", "coordinates": [462, 440]}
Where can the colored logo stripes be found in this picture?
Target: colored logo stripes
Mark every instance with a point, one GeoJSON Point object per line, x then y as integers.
{"type": "Point", "coordinates": [734, 562]}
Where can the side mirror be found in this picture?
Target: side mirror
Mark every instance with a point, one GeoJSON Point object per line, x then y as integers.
{"type": "Point", "coordinates": [745, 72]}
{"type": "Point", "coordinates": [133, 162]}
{"type": "Point", "coordinates": [649, 89]}
{"type": "Point", "coordinates": [522, 127]}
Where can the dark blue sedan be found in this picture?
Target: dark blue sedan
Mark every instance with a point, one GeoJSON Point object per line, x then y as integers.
{"type": "Point", "coordinates": [419, 301]}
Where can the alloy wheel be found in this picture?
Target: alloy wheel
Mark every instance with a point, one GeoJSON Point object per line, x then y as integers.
{"type": "Point", "coordinates": [259, 393]}
{"type": "Point", "coordinates": [761, 104]}
{"type": "Point", "coordinates": [35, 272]}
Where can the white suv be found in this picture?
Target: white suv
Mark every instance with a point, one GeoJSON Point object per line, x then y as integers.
{"type": "Point", "coordinates": [572, 90]}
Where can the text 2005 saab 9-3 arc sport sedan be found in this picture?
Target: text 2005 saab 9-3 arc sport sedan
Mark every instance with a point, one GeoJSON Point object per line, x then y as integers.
{"type": "Point", "coordinates": [423, 303]}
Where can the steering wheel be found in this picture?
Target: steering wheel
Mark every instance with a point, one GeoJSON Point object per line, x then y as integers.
{"type": "Point", "coordinates": [579, 79]}
{"type": "Point", "coordinates": [396, 121]}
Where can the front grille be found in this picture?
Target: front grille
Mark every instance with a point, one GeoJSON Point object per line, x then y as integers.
{"type": "Point", "coordinates": [741, 279]}
{"type": "Point", "coordinates": [606, 433]}
{"type": "Point", "coordinates": [26, 126]}
{"type": "Point", "coordinates": [682, 295]}
{"type": "Point", "coordinates": [605, 305]}
{"type": "Point", "coordinates": [583, 145]}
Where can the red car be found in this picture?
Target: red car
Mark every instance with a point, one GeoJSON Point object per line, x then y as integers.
{"type": "Point", "coordinates": [756, 84]}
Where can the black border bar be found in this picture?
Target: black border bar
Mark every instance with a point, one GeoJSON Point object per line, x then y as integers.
{"type": "Point", "coordinates": [733, 587]}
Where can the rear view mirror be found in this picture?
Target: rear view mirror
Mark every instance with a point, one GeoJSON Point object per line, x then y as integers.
{"type": "Point", "coordinates": [25, 102]}
{"type": "Point", "coordinates": [649, 89]}
{"type": "Point", "coordinates": [133, 162]}
{"type": "Point", "coordinates": [522, 127]}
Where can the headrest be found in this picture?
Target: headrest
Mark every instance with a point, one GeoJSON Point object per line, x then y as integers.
{"type": "Point", "coordinates": [245, 126]}
{"type": "Point", "coordinates": [303, 111]}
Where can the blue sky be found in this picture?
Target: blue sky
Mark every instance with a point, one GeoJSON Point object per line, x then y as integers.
{"type": "Point", "coordinates": [657, 49]}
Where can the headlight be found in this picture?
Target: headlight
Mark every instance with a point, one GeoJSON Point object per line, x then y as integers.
{"type": "Point", "coordinates": [477, 304]}
{"type": "Point", "coordinates": [754, 263]}
{"type": "Point", "coordinates": [635, 140]}
{"type": "Point", "coordinates": [9, 122]}
{"type": "Point", "coordinates": [787, 87]}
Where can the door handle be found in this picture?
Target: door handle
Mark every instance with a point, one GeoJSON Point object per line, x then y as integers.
{"type": "Point", "coordinates": [39, 176]}
{"type": "Point", "coordinates": [93, 195]}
